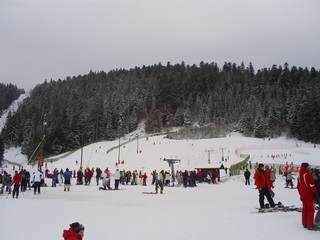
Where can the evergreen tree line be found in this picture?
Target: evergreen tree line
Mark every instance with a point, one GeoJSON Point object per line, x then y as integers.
{"type": "Point", "coordinates": [101, 106]}
{"type": "Point", "coordinates": [8, 93]}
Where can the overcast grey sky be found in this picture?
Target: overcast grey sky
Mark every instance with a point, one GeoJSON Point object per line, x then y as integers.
{"type": "Point", "coordinates": [44, 39]}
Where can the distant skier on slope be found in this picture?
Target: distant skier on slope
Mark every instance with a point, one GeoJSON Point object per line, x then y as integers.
{"type": "Point", "coordinates": [263, 185]}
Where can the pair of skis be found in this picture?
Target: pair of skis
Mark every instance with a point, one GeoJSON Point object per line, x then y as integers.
{"type": "Point", "coordinates": [151, 193]}
{"type": "Point", "coordinates": [281, 208]}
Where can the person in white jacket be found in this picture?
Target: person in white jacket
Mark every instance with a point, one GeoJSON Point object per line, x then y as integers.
{"type": "Point", "coordinates": [37, 176]}
{"type": "Point", "coordinates": [116, 179]}
{"type": "Point", "coordinates": [105, 180]}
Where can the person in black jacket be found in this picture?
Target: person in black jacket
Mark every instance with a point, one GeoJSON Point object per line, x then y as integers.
{"type": "Point", "coordinates": [185, 177]}
{"type": "Point", "coordinates": [98, 175]}
{"type": "Point", "coordinates": [247, 176]}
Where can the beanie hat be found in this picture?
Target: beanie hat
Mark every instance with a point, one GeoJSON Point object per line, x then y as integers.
{"type": "Point", "coordinates": [77, 227]}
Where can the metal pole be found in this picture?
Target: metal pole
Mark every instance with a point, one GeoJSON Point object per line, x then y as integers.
{"type": "Point", "coordinates": [36, 149]}
{"type": "Point", "coordinates": [137, 143]}
{"type": "Point", "coordinates": [119, 150]}
{"type": "Point", "coordinates": [172, 174]}
{"type": "Point", "coordinates": [209, 151]}
{"type": "Point", "coordinates": [222, 157]}
{"type": "Point", "coordinates": [81, 151]}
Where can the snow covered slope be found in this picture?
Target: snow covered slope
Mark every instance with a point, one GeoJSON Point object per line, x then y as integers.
{"type": "Point", "coordinates": [152, 151]}
{"type": "Point", "coordinates": [192, 153]}
{"type": "Point", "coordinates": [13, 107]}
{"type": "Point", "coordinates": [222, 211]}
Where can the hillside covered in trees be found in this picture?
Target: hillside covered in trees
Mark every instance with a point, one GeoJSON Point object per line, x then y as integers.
{"type": "Point", "coordinates": [101, 106]}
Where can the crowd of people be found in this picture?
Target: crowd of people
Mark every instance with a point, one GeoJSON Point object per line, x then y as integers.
{"type": "Point", "coordinates": [21, 181]}
{"type": "Point", "coordinates": [308, 182]}
{"type": "Point", "coordinates": [308, 185]}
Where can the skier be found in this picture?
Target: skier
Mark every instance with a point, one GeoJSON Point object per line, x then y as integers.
{"type": "Point", "coordinates": [55, 177]}
{"type": "Point", "coordinates": [144, 179]}
{"type": "Point", "coordinates": [308, 195]}
{"type": "Point", "coordinates": [105, 180]}
{"type": "Point", "coordinates": [116, 179]}
{"type": "Point", "coordinates": [122, 177]}
{"type": "Point", "coordinates": [289, 180]}
{"type": "Point", "coordinates": [16, 181]}
{"type": "Point", "coordinates": [263, 185]}
{"type": "Point", "coordinates": [37, 176]}
{"type": "Point", "coordinates": [7, 182]}
{"type": "Point", "coordinates": [98, 175]}
{"type": "Point", "coordinates": [247, 176]}
{"type": "Point", "coordinates": [153, 177]}
{"type": "Point", "coordinates": [179, 178]}
{"type": "Point", "coordinates": [167, 178]}
{"type": "Point", "coordinates": [23, 180]}
{"type": "Point", "coordinates": [80, 177]}
{"type": "Point", "coordinates": [159, 181]}
{"type": "Point", "coordinates": [67, 179]}
{"type": "Point", "coordinates": [134, 177]}
{"type": "Point", "coordinates": [87, 176]}
{"type": "Point", "coordinates": [185, 177]}
{"type": "Point", "coordinates": [267, 174]}
{"type": "Point", "coordinates": [193, 176]}
{"type": "Point", "coordinates": [27, 173]}
{"type": "Point", "coordinates": [75, 232]}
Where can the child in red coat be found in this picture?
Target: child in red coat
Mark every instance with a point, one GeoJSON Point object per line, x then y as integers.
{"type": "Point", "coordinates": [75, 232]}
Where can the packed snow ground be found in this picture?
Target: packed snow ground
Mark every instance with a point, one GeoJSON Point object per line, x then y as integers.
{"type": "Point", "coordinates": [222, 211]}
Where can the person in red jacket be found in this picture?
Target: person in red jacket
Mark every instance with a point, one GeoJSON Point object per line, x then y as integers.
{"type": "Point", "coordinates": [75, 232]}
{"type": "Point", "coordinates": [267, 174]}
{"type": "Point", "coordinates": [308, 194]}
{"type": "Point", "coordinates": [16, 181]}
{"type": "Point", "coordinates": [144, 179]}
{"type": "Point", "coordinates": [263, 185]}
